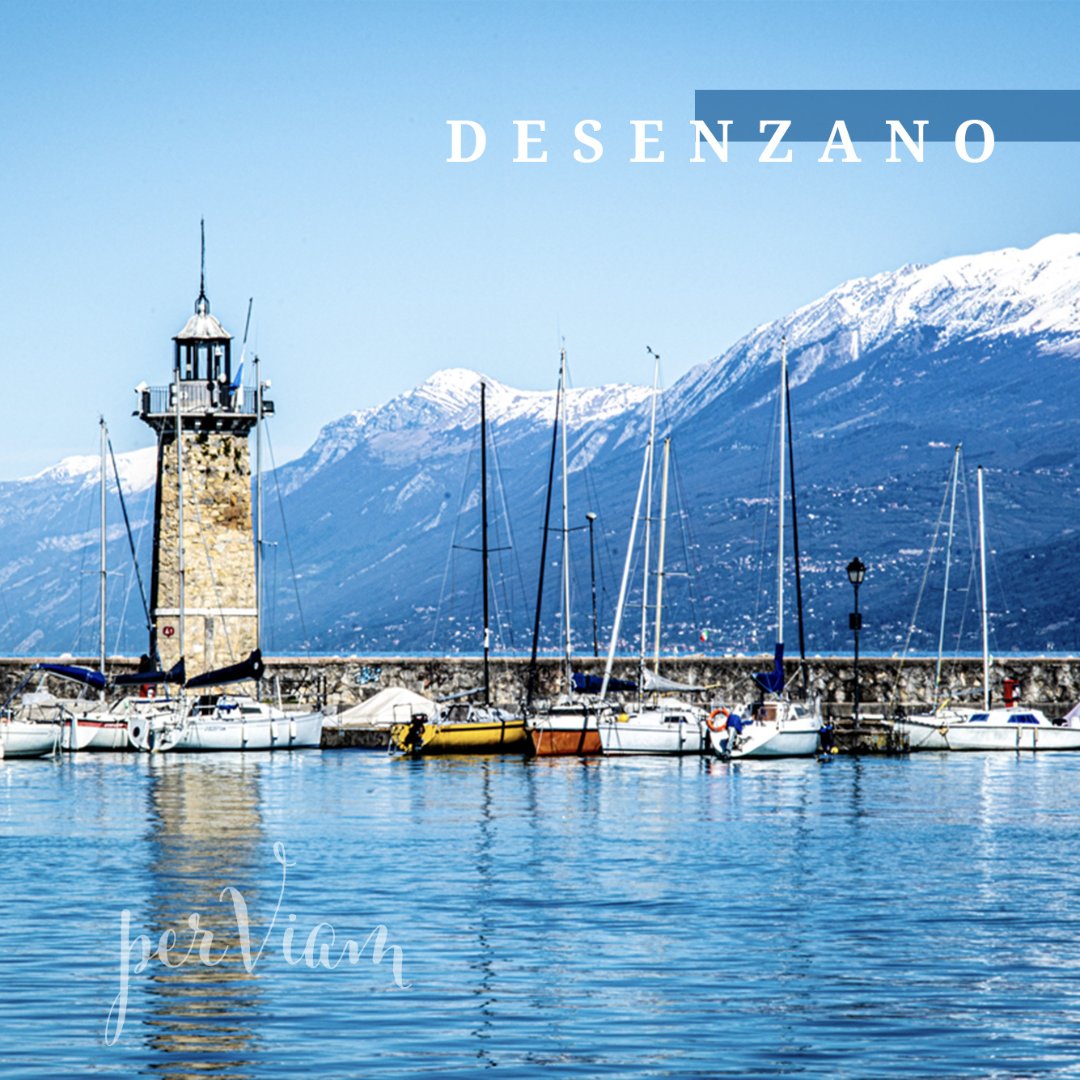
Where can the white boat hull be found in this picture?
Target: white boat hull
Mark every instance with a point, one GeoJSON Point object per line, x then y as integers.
{"type": "Point", "coordinates": [779, 728]}
{"type": "Point", "coordinates": [1012, 737]}
{"type": "Point", "coordinates": [28, 739]}
{"type": "Point", "coordinates": [774, 741]}
{"type": "Point", "coordinates": [290, 732]}
{"type": "Point", "coordinates": [922, 732]}
{"type": "Point", "coordinates": [994, 729]}
{"type": "Point", "coordinates": [671, 731]}
{"type": "Point", "coordinates": [96, 733]}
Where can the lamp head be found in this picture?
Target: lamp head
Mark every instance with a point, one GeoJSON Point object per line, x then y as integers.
{"type": "Point", "coordinates": [856, 571]}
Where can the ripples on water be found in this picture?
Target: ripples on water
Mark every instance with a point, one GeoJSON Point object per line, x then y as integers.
{"type": "Point", "coordinates": [883, 917]}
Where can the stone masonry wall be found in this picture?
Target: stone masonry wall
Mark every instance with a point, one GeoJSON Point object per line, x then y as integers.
{"type": "Point", "coordinates": [219, 579]}
{"type": "Point", "coordinates": [1050, 684]}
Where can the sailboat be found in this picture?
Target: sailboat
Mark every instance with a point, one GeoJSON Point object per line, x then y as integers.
{"type": "Point", "coordinates": [34, 726]}
{"type": "Point", "coordinates": [90, 724]}
{"type": "Point", "coordinates": [1011, 726]}
{"type": "Point", "coordinates": [567, 726]}
{"type": "Point", "coordinates": [465, 727]}
{"type": "Point", "coordinates": [774, 725]}
{"type": "Point", "coordinates": [661, 725]}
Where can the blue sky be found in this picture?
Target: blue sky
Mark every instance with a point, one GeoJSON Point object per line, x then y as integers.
{"type": "Point", "coordinates": [313, 139]}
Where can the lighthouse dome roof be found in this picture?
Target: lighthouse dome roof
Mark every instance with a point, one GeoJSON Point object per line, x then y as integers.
{"type": "Point", "coordinates": [202, 326]}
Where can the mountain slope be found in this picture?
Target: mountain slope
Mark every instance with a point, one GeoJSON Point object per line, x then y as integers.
{"type": "Point", "coordinates": [887, 373]}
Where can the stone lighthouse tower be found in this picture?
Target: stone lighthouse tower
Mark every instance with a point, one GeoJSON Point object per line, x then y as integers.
{"type": "Point", "coordinates": [203, 591]}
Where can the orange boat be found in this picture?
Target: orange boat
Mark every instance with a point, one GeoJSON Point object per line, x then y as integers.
{"type": "Point", "coordinates": [566, 731]}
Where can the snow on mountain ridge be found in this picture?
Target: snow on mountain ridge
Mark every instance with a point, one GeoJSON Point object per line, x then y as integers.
{"type": "Point", "coordinates": [137, 468]}
{"type": "Point", "coordinates": [1011, 291]}
{"type": "Point", "coordinates": [449, 399]}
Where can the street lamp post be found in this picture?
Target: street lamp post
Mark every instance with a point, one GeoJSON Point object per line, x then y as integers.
{"type": "Point", "coordinates": [591, 517]}
{"type": "Point", "coordinates": [856, 572]}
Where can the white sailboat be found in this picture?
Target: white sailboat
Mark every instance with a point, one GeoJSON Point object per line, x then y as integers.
{"type": "Point", "coordinates": [1007, 727]}
{"type": "Point", "coordinates": [22, 738]}
{"type": "Point", "coordinates": [31, 724]}
{"type": "Point", "coordinates": [660, 725]}
{"type": "Point", "coordinates": [775, 725]}
{"type": "Point", "coordinates": [89, 724]}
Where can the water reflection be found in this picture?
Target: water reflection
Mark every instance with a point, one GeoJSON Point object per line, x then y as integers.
{"type": "Point", "coordinates": [205, 835]}
{"type": "Point", "coordinates": [483, 965]}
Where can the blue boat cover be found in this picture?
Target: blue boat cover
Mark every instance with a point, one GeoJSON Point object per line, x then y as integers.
{"type": "Point", "coordinates": [592, 684]}
{"type": "Point", "coordinates": [251, 668]}
{"type": "Point", "coordinates": [175, 674]}
{"type": "Point", "coordinates": [772, 682]}
{"type": "Point", "coordinates": [87, 676]}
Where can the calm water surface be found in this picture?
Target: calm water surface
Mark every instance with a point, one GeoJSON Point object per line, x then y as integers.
{"type": "Point", "coordinates": [893, 917]}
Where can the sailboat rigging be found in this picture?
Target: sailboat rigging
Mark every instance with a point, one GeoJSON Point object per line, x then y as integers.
{"type": "Point", "coordinates": [773, 725]}
{"type": "Point", "coordinates": [462, 727]}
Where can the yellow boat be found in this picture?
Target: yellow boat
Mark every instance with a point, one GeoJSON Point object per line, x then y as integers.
{"type": "Point", "coordinates": [462, 731]}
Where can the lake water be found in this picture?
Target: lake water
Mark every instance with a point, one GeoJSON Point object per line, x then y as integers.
{"type": "Point", "coordinates": [864, 918]}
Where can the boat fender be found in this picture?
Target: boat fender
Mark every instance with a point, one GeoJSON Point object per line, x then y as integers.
{"type": "Point", "coordinates": [721, 724]}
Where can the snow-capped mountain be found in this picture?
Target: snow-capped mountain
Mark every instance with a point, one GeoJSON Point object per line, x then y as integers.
{"type": "Point", "coordinates": [887, 374]}
{"type": "Point", "coordinates": [137, 470]}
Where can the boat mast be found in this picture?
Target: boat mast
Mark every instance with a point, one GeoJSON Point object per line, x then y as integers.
{"type": "Point", "coordinates": [660, 555]}
{"type": "Point", "coordinates": [567, 643]}
{"type": "Point", "coordinates": [530, 686]}
{"type": "Point", "coordinates": [620, 604]}
{"type": "Point", "coordinates": [780, 515]}
{"type": "Point", "coordinates": [804, 673]}
{"type": "Point", "coordinates": [948, 567]}
{"type": "Point", "coordinates": [258, 505]}
{"type": "Point", "coordinates": [104, 568]}
{"type": "Point", "coordinates": [484, 539]}
{"type": "Point", "coordinates": [180, 511]}
{"type": "Point", "coordinates": [625, 580]}
{"type": "Point", "coordinates": [648, 527]}
{"type": "Point", "coordinates": [982, 595]}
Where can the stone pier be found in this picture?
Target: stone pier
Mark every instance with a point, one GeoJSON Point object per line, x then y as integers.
{"type": "Point", "coordinates": [1049, 683]}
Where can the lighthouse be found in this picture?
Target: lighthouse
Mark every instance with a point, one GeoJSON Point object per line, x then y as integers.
{"type": "Point", "coordinates": [203, 591]}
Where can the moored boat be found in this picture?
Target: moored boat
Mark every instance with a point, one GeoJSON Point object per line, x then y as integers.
{"type": "Point", "coordinates": [462, 729]}
{"type": "Point", "coordinates": [669, 727]}
{"type": "Point", "coordinates": [769, 729]}
{"type": "Point", "coordinates": [1011, 726]}
{"type": "Point", "coordinates": [776, 725]}
{"type": "Point", "coordinates": [568, 726]}
{"type": "Point", "coordinates": [28, 738]}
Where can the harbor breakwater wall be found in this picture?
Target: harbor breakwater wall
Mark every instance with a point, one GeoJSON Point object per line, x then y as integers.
{"type": "Point", "coordinates": [1048, 683]}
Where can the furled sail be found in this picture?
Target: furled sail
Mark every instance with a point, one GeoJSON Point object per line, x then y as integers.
{"type": "Point", "coordinates": [251, 668]}
{"type": "Point", "coordinates": [148, 675]}
{"type": "Point", "coordinates": [87, 676]}
{"type": "Point", "coordinates": [772, 682]}
{"type": "Point", "coordinates": [592, 684]}
{"type": "Point", "coordinates": [657, 684]}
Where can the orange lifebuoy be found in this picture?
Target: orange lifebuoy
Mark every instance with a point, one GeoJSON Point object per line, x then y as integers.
{"type": "Point", "coordinates": [722, 725]}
